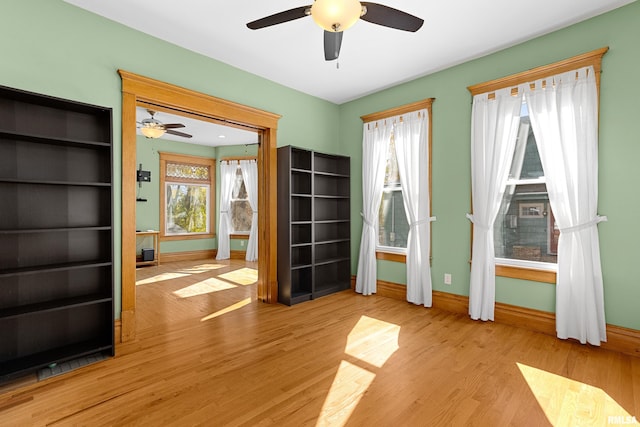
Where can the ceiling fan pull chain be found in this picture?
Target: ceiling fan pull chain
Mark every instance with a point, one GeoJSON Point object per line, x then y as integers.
{"type": "Point", "coordinates": [337, 65]}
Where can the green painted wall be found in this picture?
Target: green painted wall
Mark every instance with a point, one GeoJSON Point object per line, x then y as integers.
{"type": "Point", "coordinates": [619, 154]}
{"type": "Point", "coordinates": [54, 48]}
{"type": "Point", "coordinates": [148, 213]}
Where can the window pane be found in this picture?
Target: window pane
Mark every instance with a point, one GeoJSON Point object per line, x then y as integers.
{"type": "Point", "coordinates": [392, 174]}
{"type": "Point", "coordinates": [239, 189]}
{"type": "Point", "coordinates": [181, 170]}
{"type": "Point", "coordinates": [241, 215]}
{"type": "Point", "coordinates": [241, 212]}
{"type": "Point", "coordinates": [526, 160]}
{"type": "Point", "coordinates": [525, 228]}
{"type": "Point", "coordinates": [393, 227]}
{"type": "Point", "coordinates": [187, 208]}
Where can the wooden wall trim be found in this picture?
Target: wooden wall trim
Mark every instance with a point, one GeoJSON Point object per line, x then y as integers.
{"type": "Point", "coordinates": [187, 255]}
{"type": "Point", "coordinates": [593, 57]}
{"type": "Point", "coordinates": [403, 109]}
{"type": "Point", "coordinates": [198, 255]}
{"type": "Point", "coordinates": [619, 339]}
{"type": "Point", "coordinates": [117, 332]}
{"type": "Point", "coordinates": [390, 256]}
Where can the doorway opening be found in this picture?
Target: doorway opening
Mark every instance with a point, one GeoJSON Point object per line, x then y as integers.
{"type": "Point", "coordinates": [140, 90]}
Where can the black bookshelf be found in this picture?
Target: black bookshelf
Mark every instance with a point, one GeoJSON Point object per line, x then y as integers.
{"type": "Point", "coordinates": [314, 252]}
{"type": "Point", "coordinates": [56, 231]}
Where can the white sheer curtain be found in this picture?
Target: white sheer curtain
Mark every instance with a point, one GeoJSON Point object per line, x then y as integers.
{"type": "Point", "coordinates": [411, 136]}
{"type": "Point", "coordinates": [250, 176]}
{"type": "Point", "coordinates": [375, 144]}
{"type": "Point", "coordinates": [494, 130]}
{"type": "Point", "coordinates": [227, 176]}
{"type": "Point", "coordinates": [564, 117]}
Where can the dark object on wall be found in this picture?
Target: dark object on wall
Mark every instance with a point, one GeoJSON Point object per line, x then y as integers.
{"type": "Point", "coordinates": [144, 176]}
{"type": "Point", "coordinates": [148, 255]}
{"type": "Point", "coordinates": [56, 232]}
{"type": "Point", "coordinates": [314, 252]}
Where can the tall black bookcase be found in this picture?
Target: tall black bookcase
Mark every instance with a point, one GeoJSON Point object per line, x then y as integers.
{"type": "Point", "coordinates": [56, 231]}
{"type": "Point", "coordinates": [314, 242]}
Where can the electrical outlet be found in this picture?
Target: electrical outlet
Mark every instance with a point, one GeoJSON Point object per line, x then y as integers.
{"type": "Point", "coordinates": [242, 243]}
{"type": "Point", "coordinates": [447, 278]}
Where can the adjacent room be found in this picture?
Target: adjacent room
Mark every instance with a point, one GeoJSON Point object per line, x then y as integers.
{"type": "Point", "coordinates": [254, 213]}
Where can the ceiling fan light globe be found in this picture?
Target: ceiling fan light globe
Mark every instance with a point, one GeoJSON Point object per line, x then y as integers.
{"type": "Point", "coordinates": [152, 131]}
{"type": "Point", "coordinates": [336, 15]}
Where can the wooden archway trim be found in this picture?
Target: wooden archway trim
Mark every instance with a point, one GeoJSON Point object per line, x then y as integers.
{"type": "Point", "coordinates": [139, 89]}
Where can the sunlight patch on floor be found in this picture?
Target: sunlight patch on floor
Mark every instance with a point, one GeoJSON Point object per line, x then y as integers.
{"type": "Point", "coordinates": [349, 385]}
{"type": "Point", "coordinates": [160, 278]}
{"type": "Point", "coordinates": [242, 276]}
{"type": "Point", "coordinates": [203, 268]}
{"type": "Point", "coordinates": [203, 287]}
{"type": "Point", "coordinates": [567, 402]}
{"type": "Point", "coordinates": [228, 309]}
{"type": "Point", "coordinates": [373, 342]}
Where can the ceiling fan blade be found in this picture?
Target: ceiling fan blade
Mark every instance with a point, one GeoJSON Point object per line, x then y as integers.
{"type": "Point", "coordinates": [390, 17]}
{"type": "Point", "coordinates": [178, 133]}
{"type": "Point", "coordinates": [173, 125]}
{"type": "Point", "coordinates": [332, 43]}
{"type": "Point", "coordinates": [279, 18]}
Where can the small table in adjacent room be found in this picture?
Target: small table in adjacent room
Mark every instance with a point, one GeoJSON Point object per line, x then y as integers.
{"type": "Point", "coordinates": [141, 258]}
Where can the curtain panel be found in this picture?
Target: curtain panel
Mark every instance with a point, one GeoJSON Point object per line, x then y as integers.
{"type": "Point", "coordinates": [411, 136]}
{"type": "Point", "coordinates": [250, 176]}
{"type": "Point", "coordinates": [375, 144]}
{"type": "Point", "coordinates": [564, 117]}
{"type": "Point", "coordinates": [227, 176]}
{"type": "Point", "coordinates": [494, 130]}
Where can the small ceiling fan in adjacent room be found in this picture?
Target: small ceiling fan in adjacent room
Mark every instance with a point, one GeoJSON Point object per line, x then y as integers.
{"type": "Point", "coordinates": [335, 16]}
{"type": "Point", "coordinates": [154, 128]}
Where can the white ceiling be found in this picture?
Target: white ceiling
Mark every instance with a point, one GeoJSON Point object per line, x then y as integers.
{"type": "Point", "coordinates": [203, 133]}
{"type": "Point", "coordinates": [372, 57]}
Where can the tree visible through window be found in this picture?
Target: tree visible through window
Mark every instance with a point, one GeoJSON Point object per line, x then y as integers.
{"type": "Point", "coordinates": [187, 183]}
{"type": "Point", "coordinates": [241, 212]}
{"type": "Point", "coordinates": [525, 228]}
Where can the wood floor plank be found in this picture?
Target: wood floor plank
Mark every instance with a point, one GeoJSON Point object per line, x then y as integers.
{"type": "Point", "coordinates": [207, 353]}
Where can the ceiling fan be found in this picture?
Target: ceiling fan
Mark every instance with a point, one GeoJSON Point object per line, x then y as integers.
{"type": "Point", "coordinates": [154, 128]}
{"type": "Point", "coordinates": [335, 16]}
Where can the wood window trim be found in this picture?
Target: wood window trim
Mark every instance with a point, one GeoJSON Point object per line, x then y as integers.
{"type": "Point", "coordinates": [239, 236]}
{"type": "Point", "coordinates": [397, 111]}
{"type": "Point", "coordinates": [237, 158]}
{"type": "Point", "coordinates": [391, 256]}
{"type": "Point", "coordinates": [593, 58]}
{"type": "Point", "coordinates": [166, 157]}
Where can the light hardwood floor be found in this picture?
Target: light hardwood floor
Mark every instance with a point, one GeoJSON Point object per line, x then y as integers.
{"type": "Point", "coordinates": [207, 353]}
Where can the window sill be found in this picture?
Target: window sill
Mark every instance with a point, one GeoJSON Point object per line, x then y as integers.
{"type": "Point", "coordinates": [535, 275]}
{"type": "Point", "coordinates": [391, 256]}
{"type": "Point", "coordinates": [187, 236]}
{"type": "Point", "coordinates": [239, 236]}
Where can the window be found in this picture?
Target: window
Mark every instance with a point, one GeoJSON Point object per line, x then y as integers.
{"type": "Point", "coordinates": [186, 204]}
{"type": "Point", "coordinates": [393, 227]}
{"type": "Point", "coordinates": [525, 233]}
{"type": "Point", "coordinates": [241, 212]}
